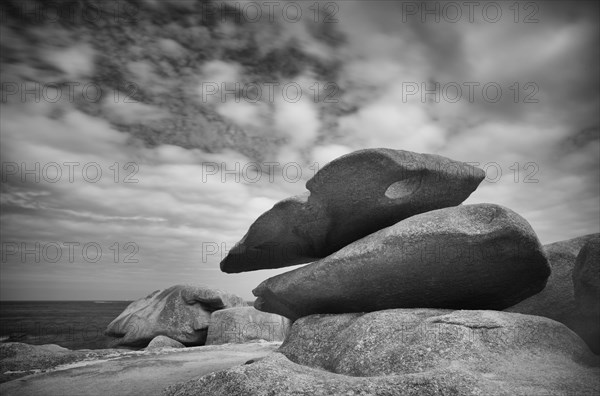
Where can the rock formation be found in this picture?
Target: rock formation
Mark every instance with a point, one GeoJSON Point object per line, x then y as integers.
{"type": "Point", "coordinates": [244, 324]}
{"type": "Point", "coordinates": [51, 370]}
{"type": "Point", "coordinates": [349, 198]}
{"type": "Point", "coordinates": [415, 352]}
{"type": "Point", "coordinates": [572, 270]}
{"type": "Point", "coordinates": [586, 283]}
{"type": "Point", "coordinates": [160, 342]}
{"type": "Point", "coordinates": [405, 291]}
{"type": "Point", "coordinates": [18, 359]}
{"type": "Point", "coordinates": [179, 312]}
{"type": "Point", "coordinates": [586, 276]}
{"type": "Point", "coordinates": [557, 300]}
{"type": "Point", "coordinates": [467, 257]}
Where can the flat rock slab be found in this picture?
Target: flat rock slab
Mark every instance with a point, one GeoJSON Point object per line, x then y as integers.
{"type": "Point", "coordinates": [349, 198]}
{"type": "Point", "coordinates": [18, 359]}
{"type": "Point", "coordinates": [480, 256]}
{"type": "Point", "coordinates": [135, 373]}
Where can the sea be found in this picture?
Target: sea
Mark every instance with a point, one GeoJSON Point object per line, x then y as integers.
{"type": "Point", "coordinates": [70, 324]}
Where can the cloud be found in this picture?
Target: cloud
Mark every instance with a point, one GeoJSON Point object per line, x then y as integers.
{"type": "Point", "coordinates": [76, 61]}
{"type": "Point", "coordinates": [396, 125]}
{"type": "Point", "coordinates": [160, 199]}
{"type": "Point", "coordinates": [221, 72]}
{"type": "Point", "coordinates": [243, 113]}
{"type": "Point", "coordinates": [322, 155]}
{"type": "Point", "coordinates": [123, 112]}
{"type": "Point", "coordinates": [298, 120]}
{"type": "Point", "coordinates": [170, 47]}
{"type": "Point", "coordinates": [184, 208]}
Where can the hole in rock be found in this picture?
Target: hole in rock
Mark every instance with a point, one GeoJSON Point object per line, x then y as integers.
{"type": "Point", "coordinates": [403, 187]}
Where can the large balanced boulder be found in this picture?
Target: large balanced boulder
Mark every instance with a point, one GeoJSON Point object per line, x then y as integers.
{"type": "Point", "coordinates": [180, 312]}
{"type": "Point", "coordinates": [586, 283]}
{"type": "Point", "coordinates": [349, 198]}
{"type": "Point", "coordinates": [480, 256]}
{"type": "Point", "coordinates": [557, 300]}
{"type": "Point", "coordinates": [415, 352]}
{"type": "Point", "coordinates": [244, 324]}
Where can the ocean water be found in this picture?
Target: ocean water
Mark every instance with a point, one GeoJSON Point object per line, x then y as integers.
{"type": "Point", "coordinates": [70, 324]}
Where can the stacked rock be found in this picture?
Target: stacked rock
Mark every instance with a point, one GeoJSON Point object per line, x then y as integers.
{"type": "Point", "coordinates": [405, 290]}
{"type": "Point", "coordinates": [385, 229]}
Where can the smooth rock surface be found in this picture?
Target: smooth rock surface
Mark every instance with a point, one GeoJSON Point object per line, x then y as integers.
{"type": "Point", "coordinates": [18, 359]}
{"type": "Point", "coordinates": [180, 312]}
{"type": "Point", "coordinates": [160, 342]}
{"type": "Point", "coordinates": [134, 373]}
{"type": "Point", "coordinates": [349, 198]}
{"type": "Point", "coordinates": [404, 341]}
{"type": "Point", "coordinates": [244, 324]}
{"type": "Point", "coordinates": [557, 300]}
{"type": "Point", "coordinates": [467, 257]}
{"type": "Point", "coordinates": [275, 375]}
{"type": "Point", "coordinates": [586, 276]}
{"type": "Point", "coordinates": [415, 352]}
{"type": "Point", "coordinates": [586, 283]}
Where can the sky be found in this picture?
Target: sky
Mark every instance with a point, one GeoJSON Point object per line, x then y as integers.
{"type": "Point", "coordinates": [91, 211]}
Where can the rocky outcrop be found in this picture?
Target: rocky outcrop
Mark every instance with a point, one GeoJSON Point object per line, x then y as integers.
{"type": "Point", "coordinates": [467, 257]}
{"type": "Point", "coordinates": [124, 372]}
{"type": "Point", "coordinates": [351, 197]}
{"type": "Point", "coordinates": [569, 295]}
{"type": "Point", "coordinates": [179, 312]}
{"type": "Point", "coordinates": [405, 341]}
{"type": "Point", "coordinates": [275, 375]}
{"type": "Point", "coordinates": [244, 324]}
{"type": "Point", "coordinates": [412, 308]}
{"type": "Point", "coordinates": [415, 352]}
{"type": "Point", "coordinates": [557, 300]}
{"type": "Point", "coordinates": [586, 276]}
{"type": "Point", "coordinates": [160, 342]}
{"type": "Point", "coordinates": [18, 359]}
{"type": "Point", "coordinates": [586, 283]}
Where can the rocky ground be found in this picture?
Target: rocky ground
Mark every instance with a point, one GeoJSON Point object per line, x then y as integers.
{"type": "Point", "coordinates": [415, 352]}
{"type": "Point", "coordinates": [115, 372]}
{"type": "Point", "coordinates": [391, 352]}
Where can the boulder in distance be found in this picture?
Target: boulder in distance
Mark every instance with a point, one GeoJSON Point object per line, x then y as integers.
{"type": "Point", "coordinates": [180, 312]}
